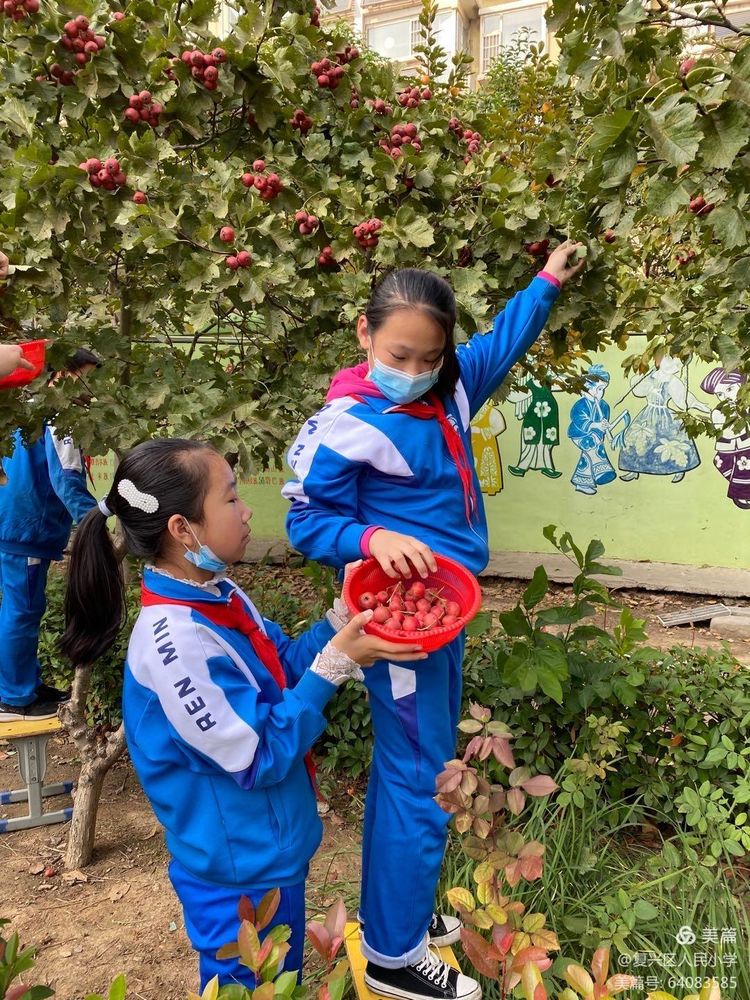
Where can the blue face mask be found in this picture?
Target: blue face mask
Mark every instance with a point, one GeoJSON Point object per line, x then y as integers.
{"type": "Point", "coordinates": [400, 387]}
{"type": "Point", "coordinates": [204, 558]}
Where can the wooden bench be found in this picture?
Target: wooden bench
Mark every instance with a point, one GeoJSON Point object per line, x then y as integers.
{"type": "Point", "coordinates": [30, 741]}
{"type": "Point", "coordinates": [357, 961]}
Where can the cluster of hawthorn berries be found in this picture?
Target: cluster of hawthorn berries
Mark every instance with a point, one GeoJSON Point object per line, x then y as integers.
{"type": "Point", "coordinates": [301, 121]}
{"type": "Point", "coordinates": [142, 108]}
{"type": "Point", "coordinates": [401, 135]}
{"type": "Point", "coordinates": [18, 9]}
{"type": "Point", "coordinates": [108, 175]}
{"type": "Point", "coordinates": [366, 233]}
{"type": "Point", "coordinates": [204, 66]}
{"type": "Point", "coordinates": [307, 224]}
{"type": "Point", "coordinates": [326, 258]}
{"type": "Point", "coordinates": [328, 74]}
{"type": "Point", "coordinates": [699, 205]}
{"type": "Point", "coordinates": [78, 38]}
{"type": "Point", "coordinates": [412, 609]}
{"type": "Point", "coordinates": [412, 97]}
{"type": "Point", "coordinates": [380, 107]}
{"type": "Point", "coordinates": [268, 186]}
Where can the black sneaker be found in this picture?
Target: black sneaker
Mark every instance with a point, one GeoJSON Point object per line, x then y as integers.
{"type": "Point", "coordinates": [443, 930]}
{"type": "Point", "coordinates": [28, 713]}
{"type": "Point", "coordinates": [429, 979]}
{"type": "Point", "coordinates": [45, 692]}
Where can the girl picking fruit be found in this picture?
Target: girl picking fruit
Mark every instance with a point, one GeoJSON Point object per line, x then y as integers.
{"type": "Point", "coordinates": [220, 706]}
{"type": "Point", "coordinates": [385, 469]}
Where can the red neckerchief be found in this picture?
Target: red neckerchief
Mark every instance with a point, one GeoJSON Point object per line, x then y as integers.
{"type": "Point", "coordinates": [453, 441]}
{"type": "Point", "coordinates": [236, 615]}
{"type": "Point", "coordinates": [87, 463]}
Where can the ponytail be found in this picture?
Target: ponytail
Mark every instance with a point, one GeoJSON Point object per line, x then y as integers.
{"type": "Point", "coordinates": [95, 596]}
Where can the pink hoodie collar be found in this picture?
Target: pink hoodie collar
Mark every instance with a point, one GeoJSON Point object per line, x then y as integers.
{"type": "Point", "coordinates": [353, 382]}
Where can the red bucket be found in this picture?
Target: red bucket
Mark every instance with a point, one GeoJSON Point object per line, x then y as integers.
{"type": "Point", "coordinates": [33, 351]}
{"type": "Point", "coordinates": [452, 582]}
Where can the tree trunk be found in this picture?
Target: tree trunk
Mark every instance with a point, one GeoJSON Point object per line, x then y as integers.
{"type": "Point", "coordinates": [96, 760]}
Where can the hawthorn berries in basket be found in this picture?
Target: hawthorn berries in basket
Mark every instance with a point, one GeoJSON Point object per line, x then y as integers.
{"type": "Point", "coordinates": [430, 611]}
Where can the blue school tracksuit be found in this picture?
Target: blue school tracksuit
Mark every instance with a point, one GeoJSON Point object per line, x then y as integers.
{"type": "Point", "coordinates": [219, 748]}
{"type": "Point", "coordinates": [44, 493]}
{"type": "Point", "coordinates": [358, 464]}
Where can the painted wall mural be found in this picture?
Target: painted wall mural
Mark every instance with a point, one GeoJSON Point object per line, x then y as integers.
{"type": "Point", "coordinates": [656, 442]}
{"type": "Point", "coordinates": [536, 407]}
{"type": "Point", "coordinates": [486, 429]}
{"type": "Point", "coordinates": [614, 463]}
{"type": "Point", "coordinates": [732, 457]}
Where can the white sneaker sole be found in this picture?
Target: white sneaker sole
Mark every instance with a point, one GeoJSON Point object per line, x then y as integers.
{"type": "Point", "coordinates": [22, 717]}
{"type": "Point", "coordinates": [385, 990]}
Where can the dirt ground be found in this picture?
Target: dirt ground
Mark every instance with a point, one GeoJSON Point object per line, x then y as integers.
{"type": "Point", "coordinates": [121, 914]}
{"type": "Point", "coordinates": [125, 917]}
{"type": "Point", "coordinates": [500, 595]}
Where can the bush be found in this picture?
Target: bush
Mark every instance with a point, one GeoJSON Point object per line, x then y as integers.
{"type": "Point", "coordinates": [668, 729]}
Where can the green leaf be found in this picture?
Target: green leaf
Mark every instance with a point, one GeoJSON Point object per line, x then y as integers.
{"type": "Point", "coordinates": [645, 911]}
{"type": "Point", "coordinates": [734, 848]}
{"type": "Point", "coordinates": [664, 198]}
{"type": "Point", "coordinates": [632, 14]}
{"type": "Point", "coordinates": [548, 682]}
{"type": "Point", "coordinates": [674, 133]}
{"type": "Point", "coordinates": [515, 622]}
{"type": "Point", "coordinates": [118, 989]}
{"type": "Point", "coordinates": [537, 588]}
{"type": "Point", "coordinates": [317, 147]}
{"type": "Point", "coordinates": [725, 132]}
{"type": "Point", "coordinates": [409, 228]}
{"type": "Point", "coordinates": [14, 113]}
{"type": "Point", "coordinates": [594, 551]}
{"type": "Point", "coordinates": [728, 351]}
{"type": "Point", "coordinates": [479, 624]}
{"type": "Point", "coordinates": [609, 128]}
{"type": "Point", "coordinates": [559, 616]}
{"type": "Point", "coordinates": [729, 225]}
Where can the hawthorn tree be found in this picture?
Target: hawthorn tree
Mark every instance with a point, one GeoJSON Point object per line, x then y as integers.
{"type": "Point", "coordinates": [210, 214]}
{"type": "Point", "coordinates": [647, 140]}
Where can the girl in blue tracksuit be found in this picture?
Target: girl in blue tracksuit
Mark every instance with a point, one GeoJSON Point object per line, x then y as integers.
{"type": "Point", "coordinates": [220, 707]}
{"type": "Point", "coordinates": [384, 469]}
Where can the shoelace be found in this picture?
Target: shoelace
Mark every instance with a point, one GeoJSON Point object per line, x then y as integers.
{"type": "Point", "coordinates": [434, 968]}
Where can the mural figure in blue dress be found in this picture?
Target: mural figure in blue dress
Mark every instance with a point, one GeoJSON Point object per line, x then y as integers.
{"type": "Point", "coordinates": [588, 429]}
{"type": "Point", "coordinates": [656, 442]}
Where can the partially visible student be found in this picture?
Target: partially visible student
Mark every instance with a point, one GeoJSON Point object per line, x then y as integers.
{"type": "Point", "coordinates": [44, 494]}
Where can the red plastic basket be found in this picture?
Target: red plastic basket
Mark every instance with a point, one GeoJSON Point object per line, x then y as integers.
{"type": "Point", "coordinates": [454, 582]}
{"type": "Point", "coordinates": [33, 351]}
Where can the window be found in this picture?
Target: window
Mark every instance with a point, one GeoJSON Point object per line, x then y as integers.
{"type": "Point", "coordinates": [446, 31]}
{"type": "Point", "coordinates": [227, 19]}
{"type": "Point", "coordinates": [500, 30]}
{"type": "Point", "coordinates": [393, 40]}
{"type": "Point", "coordinates": [399, 39]}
